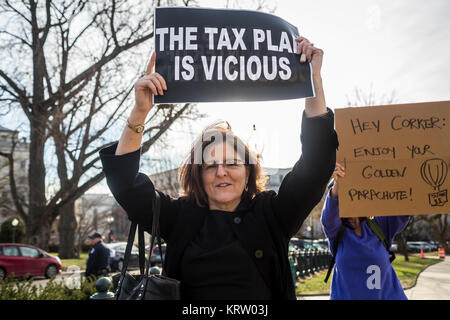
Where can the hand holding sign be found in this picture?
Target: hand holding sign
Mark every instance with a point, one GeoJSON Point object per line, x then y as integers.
{"type": "Point", "coordinates": [339, 172]}
{"type": "Point", "coordinates": [152, 83]}
{"type": "Point", "coordinates": [219, 55]}
{"type": "Point", "coordinates": [310, 53]}
{"type": "Point", "coordinates": [396, 157]}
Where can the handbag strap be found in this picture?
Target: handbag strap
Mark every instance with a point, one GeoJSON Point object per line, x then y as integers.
{"type": "Point", "coordinates": [126, 257]}
{"type": "Point", "coordinates": [141, 245]}
{"type": "Point", "coordinates": [156, 208]}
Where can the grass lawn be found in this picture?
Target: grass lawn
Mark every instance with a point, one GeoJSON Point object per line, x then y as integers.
{"type": "Point", "coordinates": [81, 262]}
{"type": "Point", "coordinates": [406, 272]}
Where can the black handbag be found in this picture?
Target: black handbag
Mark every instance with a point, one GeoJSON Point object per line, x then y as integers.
{"type": "Point", "coordinates": [145, 286]}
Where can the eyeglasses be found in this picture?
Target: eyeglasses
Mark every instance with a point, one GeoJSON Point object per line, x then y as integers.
{"type": "Point", "coordinates": [228, 164]}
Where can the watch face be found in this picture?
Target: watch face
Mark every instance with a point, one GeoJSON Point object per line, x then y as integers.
{"type": "Point", "coordinates": [139, 129]}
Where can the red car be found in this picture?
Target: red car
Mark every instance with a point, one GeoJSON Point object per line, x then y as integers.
{"type": "Point", "coordinates": [24, 259]}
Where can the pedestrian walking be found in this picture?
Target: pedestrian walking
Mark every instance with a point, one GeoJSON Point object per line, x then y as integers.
{"type": "Point", "coordinates": [98, 259]}
{"type": "Point", "coordinates": [227, 238]}
{"type": "Point", "coordinates": [360, 247]}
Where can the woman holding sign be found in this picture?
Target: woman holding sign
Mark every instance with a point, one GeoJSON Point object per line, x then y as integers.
{"type": "Point", "coordinates": [227, 238]}
{"type": "Point", "coordinates": [360, 247]}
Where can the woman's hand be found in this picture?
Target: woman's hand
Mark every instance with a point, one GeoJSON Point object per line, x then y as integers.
{"type": "Point", "coordinates": [339, 172]}
{"type": "Point", "coordinates": [314, 106]}
{"type": "Point", "coordinates": [311, 54]}
{"type": "Point", "coordinates": [152, 83]}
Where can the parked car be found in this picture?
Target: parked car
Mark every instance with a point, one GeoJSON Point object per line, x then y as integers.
{"type": "Point", "coordinates": [117, 254]}
{"type": "Point", "coordinates": [427, 246]}
{"type": "Point", "coordinates": [155, 258]}
{"type": "Point", "coordinates": [26, 260]}
{"type": "Point", "coordinates": [306, 244]}
{"type": "Point", "coordinates": [434, 245]}
{"type": "Point", "coordinates": [415, 246]}
{"type": "Point", "coordinates": [321, 244]}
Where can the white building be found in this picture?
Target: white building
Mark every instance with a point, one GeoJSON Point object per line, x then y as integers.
{"type": "Point", "coordinates": [8, 139]}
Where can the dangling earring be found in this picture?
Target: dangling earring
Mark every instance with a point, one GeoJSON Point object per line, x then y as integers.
{"type": "Point", "coordinates": [246, 188]}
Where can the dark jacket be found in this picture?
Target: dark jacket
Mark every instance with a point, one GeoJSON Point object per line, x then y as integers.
{"type": "Point", "coordinates": [263, 225]}
{"type": "Point", "coordinates": [98, 260]}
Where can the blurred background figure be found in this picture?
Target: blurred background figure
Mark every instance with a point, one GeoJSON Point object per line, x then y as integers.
{"type": "Point", "coordinates": [97, 263]}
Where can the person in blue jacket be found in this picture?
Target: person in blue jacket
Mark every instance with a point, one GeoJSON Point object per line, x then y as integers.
{"type": "Point", "coordinates": [362, 270]}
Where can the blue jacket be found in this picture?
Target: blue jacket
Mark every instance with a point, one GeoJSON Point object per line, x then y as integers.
{"type": "Point", "coordinates": [362, 270]}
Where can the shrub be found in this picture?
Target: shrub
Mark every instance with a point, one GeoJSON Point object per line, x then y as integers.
{"type": "Point", "coordinates": [15, 289]}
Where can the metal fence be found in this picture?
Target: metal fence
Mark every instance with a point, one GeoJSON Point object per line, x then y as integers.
{"type": "Point", "coordinates": [310, 261]}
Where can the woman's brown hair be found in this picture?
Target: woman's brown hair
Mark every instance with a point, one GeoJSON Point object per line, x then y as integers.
{"type": "Point", "coordinates": [190, 174]}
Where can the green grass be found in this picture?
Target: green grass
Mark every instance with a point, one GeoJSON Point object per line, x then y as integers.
{"type": "Point", "coordinates": [81, 262]}
{"type": "Point", "coordinates": [406, 272]}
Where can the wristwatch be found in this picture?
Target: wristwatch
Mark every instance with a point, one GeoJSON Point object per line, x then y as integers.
{"type": "Point", "coordinates": [136, 128]}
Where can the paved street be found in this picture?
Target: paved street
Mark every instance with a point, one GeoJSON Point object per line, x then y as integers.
{"type": "Point", "coordinates": [69, 277]}
{"type": "Point", "coordinates": [65, 276]}
{"type": "Point", "coordinates": [432, 284]}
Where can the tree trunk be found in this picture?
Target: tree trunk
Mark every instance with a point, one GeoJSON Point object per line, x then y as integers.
{"type": "Point", "coordinates": [439, 228]}
{"type": "Point", "coordinates": [38, 222]}
{"type": "Point", "coordinates": [402, 247]}
{"type": "Point", "coordinates": [67, 226]}
{"type": "Point", "coordinates": [38, 230]}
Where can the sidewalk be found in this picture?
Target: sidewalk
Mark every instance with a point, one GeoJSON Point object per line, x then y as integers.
{"type": "Point", "coordinates": [432, 284]}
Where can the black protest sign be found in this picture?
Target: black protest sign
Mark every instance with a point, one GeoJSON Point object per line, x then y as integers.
{"type": "Point", "coordinates": [215, 55]}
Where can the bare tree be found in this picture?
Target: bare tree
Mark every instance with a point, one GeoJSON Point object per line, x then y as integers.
{"type": "Point", "coordinates": [70, 67]}
{"type": "Point", "coordinates": [439, 226]}
{"type": "Point", "coordinates": [361, 97]}
{"type": "Point", "coordinates": [94, 214]}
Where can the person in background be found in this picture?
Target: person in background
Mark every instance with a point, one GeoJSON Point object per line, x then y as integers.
{"type": "Point", "coordinates": [97, 263]}
{"type": "Point", "coordinates": [363, 270]}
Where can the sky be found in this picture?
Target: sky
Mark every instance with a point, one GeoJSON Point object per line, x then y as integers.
{"type": "Point", "coordinates": [394, 47]}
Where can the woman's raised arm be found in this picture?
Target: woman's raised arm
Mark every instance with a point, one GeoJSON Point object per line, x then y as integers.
{"type": "Point", "coordinates": [303, 187]}
{"type": "Point", "coordinates": [150, 84]}
{"type": "Point", "coordinates": [313, 106]}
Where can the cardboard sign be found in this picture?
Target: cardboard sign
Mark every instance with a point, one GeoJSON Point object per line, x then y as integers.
{"type": "Point", "coordinates": [218, 55]}
{"type": "Point", "coordinates": [396, 159]}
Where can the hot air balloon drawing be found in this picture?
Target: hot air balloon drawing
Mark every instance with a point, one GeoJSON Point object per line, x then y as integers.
{"type": "Point", "coordinates": [434, 172]}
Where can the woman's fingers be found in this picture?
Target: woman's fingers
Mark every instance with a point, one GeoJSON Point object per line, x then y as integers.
{"type": "Point", "coordinates": [161, 80]}
{"type": "Point", "coordinates": [150, 85]}
{"type": "Point", "coordinates": [151, 64]}
{"type": "Point", "coordinates": [301, 46]}
{"type": "Point", "coordinates": [309, 52]}
{"type": "Point", "coordinates": [158, 81]}
{"type": "Point", "coordinates": [300, 39]}
{"type": "Point", "coordinates": [340, 166]}
{"type": "Point", "coordinates": [303, 43]}
{"type": "Point", "coordinates": [157, 84]}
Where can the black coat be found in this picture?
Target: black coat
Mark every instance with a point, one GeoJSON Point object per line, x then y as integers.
{"type": "Point", "coordinates": [98, 260]}
{"type": "Point", "coordinates": [263, 225]}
